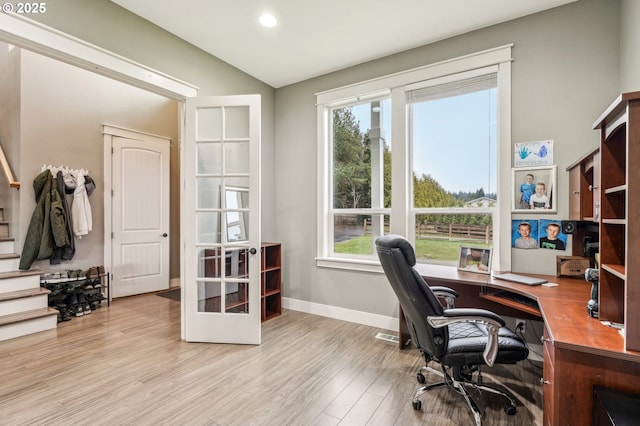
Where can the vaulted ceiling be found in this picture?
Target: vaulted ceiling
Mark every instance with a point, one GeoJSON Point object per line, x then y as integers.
{"type": "Point", "coordinates": [316, 37]}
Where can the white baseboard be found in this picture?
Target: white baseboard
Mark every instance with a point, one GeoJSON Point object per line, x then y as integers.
{"type": "Point", "coordinates": [174, 282]}
{"type": "Point", "coordinates": [358, 317]}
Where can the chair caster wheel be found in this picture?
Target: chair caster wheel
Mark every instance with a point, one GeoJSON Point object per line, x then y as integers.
{"type": "Point", "coordinates": [421, 379]}
{"type": "Point", "coordinates": [510, 410]}
{"type": "Point", "coordinates": [417, 405]}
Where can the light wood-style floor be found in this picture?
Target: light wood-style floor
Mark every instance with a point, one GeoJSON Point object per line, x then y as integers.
{"type": "Point", "coordinates": [127, 365]}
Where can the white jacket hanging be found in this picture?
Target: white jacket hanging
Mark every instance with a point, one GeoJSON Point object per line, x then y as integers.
{"type": "Point", "coordinates": [81, 208]}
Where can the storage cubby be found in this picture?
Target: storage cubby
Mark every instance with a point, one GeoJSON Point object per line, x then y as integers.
{"type": "Point", "coordinates": [614, 203]}
{"type": "Point", "coordinates": [237, 300]}
{"type": "Point", "coordinates": [271, 271]}
{"type": "Point", "coordinates": [584, 183]}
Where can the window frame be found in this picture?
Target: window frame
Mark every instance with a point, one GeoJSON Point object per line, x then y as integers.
{"type": "Point", "coordinates": [402, 212]}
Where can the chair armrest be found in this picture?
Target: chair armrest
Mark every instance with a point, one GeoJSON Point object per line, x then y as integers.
{"type": "Point", "coordinates": [447, 294]}
{"type": "Point", "coordinates": [492, 321]}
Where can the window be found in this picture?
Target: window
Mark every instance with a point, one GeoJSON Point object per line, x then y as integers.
{"type": "Point", "coordinates": [361, 177]}
{"type": "Point", "coordinates": [452, 134]}
{"type": "Point", "coordinates": [438, 183]}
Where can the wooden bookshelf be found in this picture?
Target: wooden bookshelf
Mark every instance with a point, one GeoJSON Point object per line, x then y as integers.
{"type": "Point", "coordinates": [619, 296]}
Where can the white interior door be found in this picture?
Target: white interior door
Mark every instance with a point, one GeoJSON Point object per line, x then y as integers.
{"type": "Point", "coordinates": [140, 215]}
{"type": "Point", "coordinates": [221, 220]}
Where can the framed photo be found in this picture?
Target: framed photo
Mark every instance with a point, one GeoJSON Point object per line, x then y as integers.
{"type": "Point", "coordinates": [524, 234]}
{"type": "Point", "coordinates": [534, 190]}
{"type": "Point", "coordinates": [475, 259]}
{"type": "Point", "coordinates": [551, 235]}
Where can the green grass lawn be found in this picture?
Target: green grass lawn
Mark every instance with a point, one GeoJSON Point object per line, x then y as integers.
{"type": "Point", "coordinates": [443, 250]}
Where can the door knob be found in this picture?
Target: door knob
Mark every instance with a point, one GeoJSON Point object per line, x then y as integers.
{"type": "Point", "coordinates": [165, 235]}
{"type": "Point", "coordinates": [253, 250]}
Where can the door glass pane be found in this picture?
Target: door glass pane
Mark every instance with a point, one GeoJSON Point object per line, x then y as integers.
{"type": "Point", "coordinates": [209, 124]}
{"type": "Point", "coordinates": [209, 296]}
{"type": "Point", "coordinates": [237, 226]}
{"type": "Point", "coordinates": [237, 122]}
{"type": "Point", "coordinates": [207, 228]}
{"type": "Point", "coordinates": [208, 193]}
{"type": "Point", "coordinates": [237, 297]}
{"type": "Point", "coordinates": [210, 265]}
{"type": "Point", "coordinates": [237, 263]}
{"type": "Point", "coordinates": [240, 183]}
{"type": "Point", "coordinates": [209, 158]}
{"type": "Point", "coordinates": [236, 157]}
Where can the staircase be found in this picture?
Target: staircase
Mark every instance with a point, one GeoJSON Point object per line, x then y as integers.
{"type": "Point", "coordinates": [23, 303]}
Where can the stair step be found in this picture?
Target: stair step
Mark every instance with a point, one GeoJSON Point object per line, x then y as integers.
{"type": "Point", "coordinates": [29, 322]}
{"type": "Point", "coordinates": [19, 280]}
{"type": "Point", "coordinates": [7, 245]}
{"type": "Point", "coordinates": [29, 292]}
{"type": "Point", "coordinates": [9, 262]}
{"type": "Point", "coordinates": [28, 315]}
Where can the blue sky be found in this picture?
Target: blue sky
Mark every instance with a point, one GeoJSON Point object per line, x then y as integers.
{"type": "Point", "coordinates": [452, 139]}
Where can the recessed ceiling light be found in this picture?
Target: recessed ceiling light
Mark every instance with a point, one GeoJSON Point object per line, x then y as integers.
{"type": "Point", "coordinates": [268, 20]}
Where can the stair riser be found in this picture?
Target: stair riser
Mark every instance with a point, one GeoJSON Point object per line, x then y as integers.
{"type": "Point", "coordinates": [22, 328]}
{"type": "Point", "coordinates": [19, 283]}
{"type": "Point", "coordinates": [14, 306]}
{"type": "Point", "coordinates": [8, 265]}
{"type": "Point", "coordinates": [7, 247]}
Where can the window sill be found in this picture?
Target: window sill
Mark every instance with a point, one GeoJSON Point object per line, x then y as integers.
{"type": "Point", "coordinates": [349, 264]}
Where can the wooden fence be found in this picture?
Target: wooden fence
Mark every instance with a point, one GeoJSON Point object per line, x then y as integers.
{"type": "Point", "coordinates": [447, 231]}
{"type": "Point", "coordinates": [454, 231]}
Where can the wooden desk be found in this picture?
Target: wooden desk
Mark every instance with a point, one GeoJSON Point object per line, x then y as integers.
{"type": "Point", "coordinates": [579, 352]}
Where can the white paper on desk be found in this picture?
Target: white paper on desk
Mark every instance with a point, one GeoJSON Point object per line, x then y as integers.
{"type": "Point", "coordinates": [550, 285]}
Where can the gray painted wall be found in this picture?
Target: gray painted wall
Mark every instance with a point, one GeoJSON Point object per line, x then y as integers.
{"type": "Point", "coordinates": [565, 72]}
{"type": "Point", "coordinates": [629, 46]}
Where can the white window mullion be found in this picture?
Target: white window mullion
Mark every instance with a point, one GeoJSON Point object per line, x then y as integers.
{"type": "Point", "coordinates": [502, 217]}
{"type": "Point", "coordinates": [400, 182]}
{"type": "Point", "coordinates": [325, 230]}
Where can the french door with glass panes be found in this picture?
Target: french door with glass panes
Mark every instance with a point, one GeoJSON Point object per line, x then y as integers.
{"type": "Point", "coordinates": [221, 220]}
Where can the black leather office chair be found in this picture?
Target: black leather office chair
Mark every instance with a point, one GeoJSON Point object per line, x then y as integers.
{"type": "Point", "coordinates": [460, 340]}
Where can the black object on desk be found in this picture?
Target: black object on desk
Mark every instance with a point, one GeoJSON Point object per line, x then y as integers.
{"type": "Point", "coordinates": [517, 298]}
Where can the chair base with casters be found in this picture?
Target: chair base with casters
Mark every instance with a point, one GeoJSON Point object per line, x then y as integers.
{"type": "Point", "coordinates": [461, 385]}
{"type": "Point", "coordinates": [460, 340]}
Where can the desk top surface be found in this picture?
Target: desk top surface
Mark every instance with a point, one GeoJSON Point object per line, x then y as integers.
{"type": "Point", "coordinates": [563, 309]}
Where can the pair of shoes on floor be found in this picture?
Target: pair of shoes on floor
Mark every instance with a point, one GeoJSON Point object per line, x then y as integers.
{"type": "Point", "coordinates": [76, 274]}
{"type": "Point", "coordinates": [82, 301]}
{"type": "Point", "coordinates": [64, 313]}
{"type": "Point", "coordinates": [95, 297]}
{"type": "Point", "coordinates": [78, 304]}
{"type": "Point", "coordinates": [92, 283]}
{"type": "Point", "coordinates": [95, 271]}
{"type": "Point", "coordinates": [55, 288]}
{"type": "Point", "coordinates": [52, 277]}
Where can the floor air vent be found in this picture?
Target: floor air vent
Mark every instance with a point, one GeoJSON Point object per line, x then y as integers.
{"type": "Point", "coordinates": [387, 337]}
